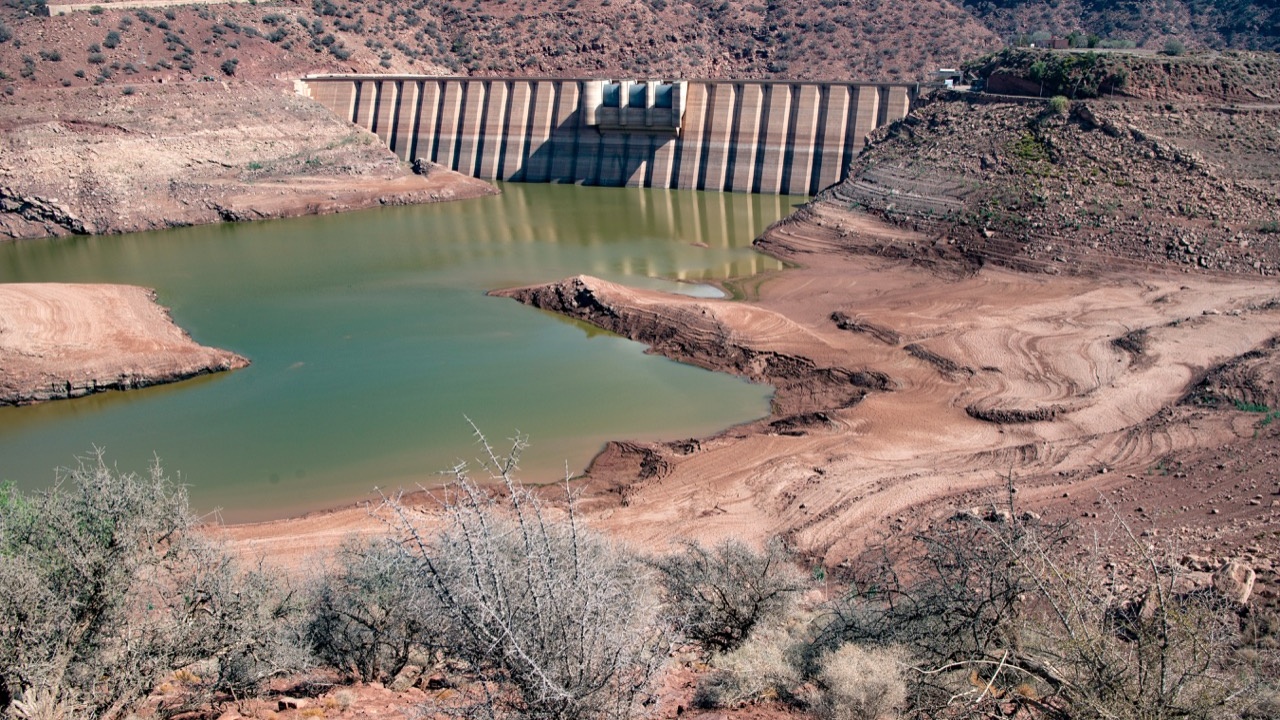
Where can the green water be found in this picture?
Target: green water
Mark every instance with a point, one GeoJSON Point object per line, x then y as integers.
{"type": "Point", "coordinates": [371, 338]}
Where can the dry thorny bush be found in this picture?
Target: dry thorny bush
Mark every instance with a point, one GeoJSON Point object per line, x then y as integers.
{"type": "Point", "coordinates": [999, 614]}
{"type": "Point", "coordinates": [554, 620]}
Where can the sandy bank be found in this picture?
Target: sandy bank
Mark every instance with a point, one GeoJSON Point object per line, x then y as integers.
{"type": "Point", "coordinates": [975, 375]}
{"type": "Point", "coordinates": [62, 341]}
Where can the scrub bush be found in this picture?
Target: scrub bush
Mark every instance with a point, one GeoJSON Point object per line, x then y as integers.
{"type": "Point", "coordinates": [107, 585]}
{"type": "Point", "coordinates": [995, 613]}
{"type": "Point", "coordinates": [719, 595]}
{"type": "Point", "coordinates": [559, 621]}
{"type": "Point", "coordinates": [370, 613]}
{"type": "Point", "coordinates": [861, 684]}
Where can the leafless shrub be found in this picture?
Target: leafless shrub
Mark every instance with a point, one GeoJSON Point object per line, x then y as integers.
{"type": "Point", "coordinates": [370, 613]}
{"type": "Point", "coordinates": [996, 612]}
{"type": "Point", "coordinates": [557, 621]}
{"type": "Point", "coordinates": [720, 595]}
{"type": "Point", "coordinates": [105, 587]}
{"type": "Point", "coordinates": [861, 683]}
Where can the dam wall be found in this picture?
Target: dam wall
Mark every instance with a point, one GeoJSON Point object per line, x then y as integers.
{"type": "Point", "coordinates": [752, 136]}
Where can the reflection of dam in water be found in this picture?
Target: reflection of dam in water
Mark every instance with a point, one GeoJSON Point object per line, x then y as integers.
{"type": "Point", "coordinates": [754, 136]}
{"type": "Point", "coordinates": [714, 220]}
{"type": "Point", "coordinates": [371, 337]}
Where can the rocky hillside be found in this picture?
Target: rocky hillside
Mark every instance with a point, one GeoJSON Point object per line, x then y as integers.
{"type": "Point", "coordinates": [1157, 174]}
{"type": "Point", "coordinates": [834, 39]}
{"type": "Point", "coordinates": [1242, 24]}
{"type": "Point", "coordinates": [687, 38]}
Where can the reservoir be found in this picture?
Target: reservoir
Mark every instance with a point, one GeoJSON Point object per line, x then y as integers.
{"type": "Point", "coordinates": [372, 341]}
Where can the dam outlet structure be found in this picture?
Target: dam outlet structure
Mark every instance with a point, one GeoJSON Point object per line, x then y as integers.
{"type": "Point", "coordinates": [753, 136]}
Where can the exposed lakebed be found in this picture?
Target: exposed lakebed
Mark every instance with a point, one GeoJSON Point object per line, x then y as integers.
{"type": "Point", "coordinates": [371, 338]}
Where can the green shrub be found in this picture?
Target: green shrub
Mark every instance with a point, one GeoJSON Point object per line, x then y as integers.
{"type": "Point", "coordinates": [1059, 104]}
{"type": "Point", "coordinates": [1175, 47]}
{"type": "Point", "coordinates": [229, 66]}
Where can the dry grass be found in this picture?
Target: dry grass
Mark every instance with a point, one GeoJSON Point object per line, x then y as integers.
{"type": "Point", "coordinates": [862, 683]}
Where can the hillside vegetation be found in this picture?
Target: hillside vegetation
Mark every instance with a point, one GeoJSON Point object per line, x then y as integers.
{"type": "Point", "coordinates": [114, 603]}
{"type": "Point", "coordinates": [1241, 24]}
{"type": "Point", "coordinates": [682, 38]}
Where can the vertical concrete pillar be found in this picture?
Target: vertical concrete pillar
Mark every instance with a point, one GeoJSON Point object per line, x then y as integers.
{"type": "Point", "coordinates": [650, 97]}
{"type": "Point", "coordinates": [384, 114]}
{"type": "Point", "coordinates": [538, 166]}
{"type": "Point", "coordinates": [664, 154]}
{"type": "Point", "coordinates": [574, 147]}
{"type": "Point", "coordinates": [513, 156]}
{"type": "Point", "coordinates": [367, 105]}
{"type": "Point", "coordinates": [450, 117]}
{"type": "Point", "coordinates": [612, 160]}
{"type": "Point", "coordinates": [751, 103]}
{"type": "Point", "coordinates": [777, 128]}
{"type": "Point", "coordinates": [720, 127]}
{"type": "Point", "coordinates": [899, 104]}
{"type": "Point", "coordinates": [868, 112]}
{"type": "Point", "coordinates": [472, 118]}
{"type": "Point", "coordinates": [691, 137]}
{"type": "Point", "coordinates": [804, 134]}
{"type": "Point", "coordinates": [639, 150]}
{"type": "Point", "coordinates": [406, 119]}
{"type": "Point", "coordinates": [429, 111]}
{"type": "Point", "coordinates": [831, 161]}
{"type": "Point", "coordinates": [493, 130]}
{"type": "Point", "coordinates": [592, 99]}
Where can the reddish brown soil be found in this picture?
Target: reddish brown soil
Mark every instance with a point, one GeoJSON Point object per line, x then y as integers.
{"type": "Point", "coordinates": [60, 341]}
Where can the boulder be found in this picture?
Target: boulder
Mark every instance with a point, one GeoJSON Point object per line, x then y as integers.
{"type": "Point", "coordinates": [1234, 580]}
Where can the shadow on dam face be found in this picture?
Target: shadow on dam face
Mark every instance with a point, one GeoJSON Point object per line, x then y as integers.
{"type": "Point", "coordinates": [755, 136]}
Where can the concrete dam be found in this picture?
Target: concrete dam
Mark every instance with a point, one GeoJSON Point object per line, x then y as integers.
{"type": "Point", "coordinates": [753, 136]}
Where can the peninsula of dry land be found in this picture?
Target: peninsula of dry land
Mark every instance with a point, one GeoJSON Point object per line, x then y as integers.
{"type": "Point", "coordinates": [63, 341]}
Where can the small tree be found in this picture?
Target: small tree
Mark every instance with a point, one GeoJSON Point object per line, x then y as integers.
{"type": "Point", "coordinates": [719, 595]}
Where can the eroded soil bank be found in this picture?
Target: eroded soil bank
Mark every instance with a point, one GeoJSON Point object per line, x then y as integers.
{"type": "Point", "coordinates": [62, 341]}
{"type": "Point", "coordinates": [96, 160]}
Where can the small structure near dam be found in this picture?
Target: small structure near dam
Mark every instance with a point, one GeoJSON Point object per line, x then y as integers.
{"type": "Point", "coordinates": [743, 136]}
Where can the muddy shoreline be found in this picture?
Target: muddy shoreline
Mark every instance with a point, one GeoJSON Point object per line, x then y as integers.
{"type": "Point", "coordinates": [904, 391]}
